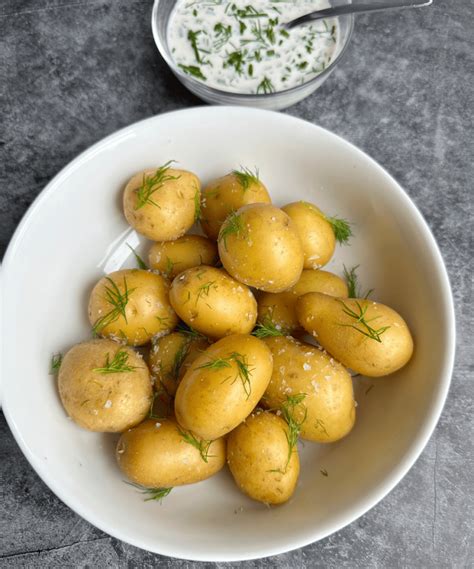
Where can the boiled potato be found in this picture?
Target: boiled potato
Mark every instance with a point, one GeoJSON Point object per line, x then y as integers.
{"type": "Point", "coordinates": [162, 203]}
{"type": "Point", "coordinates": [173, 257]}
{"type": "Point", "coordinates": [228, 194]}
{"type": "Point", "coordinates": [160, 454]}
{"type": "Point", "coordinates": [104, 386]}
{"type": "Point", "coordinates": [172, 355]}
{"type": "Point", "coordinates": [223, 386]}
{"type": "Point", "coordinates": [312, 387]}
{"type": "Point", "coordinates": [366, 336]}
{"type": "Point", "coordinates": [259, 246]}
{"type": "Point", "coordinates": [279, 309]}
{"type": "Point", "coordinates": [132, 306]}
{"type": "Point", "coordinates": [213, 303]}
{"type": "Point", "coordinates": [316, 232]}
{"type": "Point", "coordinates": [261, 460]}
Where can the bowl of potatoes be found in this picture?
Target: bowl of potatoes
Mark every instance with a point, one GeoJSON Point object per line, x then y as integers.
{"type": "Point", "coordinates": [232, 348]}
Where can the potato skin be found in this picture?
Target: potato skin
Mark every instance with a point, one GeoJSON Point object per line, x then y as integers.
{"type": "Point", "coordinates": [173, 210]}
{"type": "Point", "coordinates": [280, 308]}
{"type": "Point", "coordinates": [257, 455]}
{"type": "Point", "coordinates": [329, 398]}
{"type": "Point", "coordinates": [148, 310]}
{"type": "Point", "coordinates": [265, 251]}
{"type": "Point", "coordinates": [155, 455]}
{"type": "Point", "coordinates": [174, 257]}
{"type": "Point", "coordinates": [212, 401]}
{"type": "Point", "coordinates": [213, 303]}
{"type": "Point", "coordinates": [224, 195]}
{"type": "Point", "coordinates": [106, 403]}
{"type": "Point", "coordinates": [316, 233]}
{"type": "Point", "coordinates": [172, 355]}
{"type": "Point", "coordinates": [324, 317]}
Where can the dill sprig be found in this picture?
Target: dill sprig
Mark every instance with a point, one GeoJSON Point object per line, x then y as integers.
{"type": "Point", "coordinates": [233, 225]}
{"type": "Point", "coordinates": [294, 426]}
{"type": "Point", "coordinates": [361, 319]}
{"type": "Point", "coordinates": [118, 364]}
{"type": "Point", "coordinates": [193, 70]}
{"type": "Point", "coordinates": [244, 371]}
{"type": "Point", "coordinates": [223, 35]}
{"type": "Point", "coordinates": [342, 229]}
{"type": "Point", "coordinates": [56, 360]}
{"type": "Point", "coordinates": [140, 262]}
{"type": "Point", "coordinates": [119, 302]}
{"type": "Point", "coordinates": [201, 445]}
{"type": "Point", "coordinates": [267, 328]}
{"type": "Point", "coordinates": [205, 289]}
{"type": "Point", "coordinates": [179, 358]}
{"type": "Point", "coordinates": [151, 184]}
{"type": "Point", "coordinates": [236, 59]}
{"type": "Point", "coordinates": [266, 86]}
{"type": "Point", "coordinates": [156, 494]}
{"type": "Point", "coordinates": [197, 205]}
{"type": "Point", "coordinates": [190, 332]}
{"type": "Point", "coordinates": [352, 283]}
{"type": "Point", "coordinates": [246, 177]}
{"type": "Point", "coordinates": [193, 39]}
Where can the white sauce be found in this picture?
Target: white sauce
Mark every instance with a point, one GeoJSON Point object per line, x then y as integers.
{"type": "Point", "coordinates": [239, 45]}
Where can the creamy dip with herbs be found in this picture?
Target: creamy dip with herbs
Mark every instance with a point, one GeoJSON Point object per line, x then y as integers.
{"type": "Point", "coordinates": [240, 46]}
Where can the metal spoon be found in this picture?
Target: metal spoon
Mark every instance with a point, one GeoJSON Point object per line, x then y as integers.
{"type": "Point", "coordinates": [354, 9]}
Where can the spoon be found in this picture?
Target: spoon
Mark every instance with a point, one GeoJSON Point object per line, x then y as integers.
{"type": "Point", "coordinates": [354, 9]}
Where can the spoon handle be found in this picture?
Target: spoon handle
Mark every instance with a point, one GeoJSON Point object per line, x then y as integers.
{"type": "Point", "coordinates": [355, 9]}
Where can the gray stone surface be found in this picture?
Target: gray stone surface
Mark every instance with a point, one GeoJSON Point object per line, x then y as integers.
{"type": "Point", "coordinates": [75, 71]}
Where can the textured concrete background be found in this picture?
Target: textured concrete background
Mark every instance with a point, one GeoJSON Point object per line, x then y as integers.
{"type": "Point", "coordinates": [75, 71]}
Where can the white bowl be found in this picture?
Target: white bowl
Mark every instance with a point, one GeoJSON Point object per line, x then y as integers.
{"type": "Point", "coordinates": [75, 231]}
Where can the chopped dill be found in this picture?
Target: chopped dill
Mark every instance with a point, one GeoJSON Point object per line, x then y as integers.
{"type": "Point", "coordinates": [243, 369]}
{"type": "Point", "coordinates": [140, 262]}
{"type": "Point", "coordinates": [321, 426]}
{"type": "Point", "coordinates": [294, 426]}
{"type": "Point", "coordinates": [118, 364]}
{"type": "Point", "coordinates": [193, 39]}
{"type": "Point", "coordinates": [360, 318]}
{"type": "Point", "coordinates": [193, 70]}
{"type": "Point", "coordinates": [201, 445]}
{"type": "Point", "coordinates": [233, 225]}
{"type": "Point", "coordinates": [223, 34]}
{"type": "Point", "coordinates": [156, 494]}
{"type": "Point", "coordinates": [354, 290]}
{"type": "Point", "coordinates": [190, 332]}
{"type": "Point", "coordinates": [267, 328]}
{"type": "Point", "coordinates": [117, 300]}
{"type": "Point", "coordinates": [197, 206]}
{"type": "Point", "coordinates": [205, 289]}
{"type": "Point", "coordinates": [266, 86]}
{"type": "Point", "coordinates": [246, 177]}
{"type": "Point", "coordinates": [179, 358]}
{"type": "Point", "coordinates": [342, 229]}
{"type": "Point", "coordinates": [56, 360]}
{"type": "Point", "coordinates": [151, 184]}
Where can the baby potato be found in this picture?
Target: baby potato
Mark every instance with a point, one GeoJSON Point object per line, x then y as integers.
{"type": "Point", "coordinates": [213, 303]}
{"type": "Point", "coordinates": [259, 246]}
{"type": "Point", "coordinates": [173, 257]}
{"type": "Point", "coordinates": [223, 385]}
{"type": "Point", "coordinates": [160, 454]}
{"type": "Point", "coordinates": [366, 336]}
{"type": "Point", "coordinates": [316, 233]}
{"type": "Point", "coordinates": [172, 355]}
{"type": "Point", "coordinates": [279, 309]}
{"type": "Point", "coordinates": [312, 387]}
{"type": "Point", "coordinates": [261, 460]}
{"type": "Point", "coordinates": [162, 203]}
{"type": "Point", "coordinates": [228, 194]}
{"type": "Point", "coordinates": [132, 306]}
{"type": "Point", "coordinates": [104, 387]}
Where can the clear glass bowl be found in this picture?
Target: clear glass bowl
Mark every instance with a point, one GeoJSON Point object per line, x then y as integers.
{"type": "Point", "coordinates": [162, 10]}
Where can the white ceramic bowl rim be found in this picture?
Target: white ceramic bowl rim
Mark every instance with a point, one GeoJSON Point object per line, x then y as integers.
{"type": "Point", "coordinates": [379, 492]}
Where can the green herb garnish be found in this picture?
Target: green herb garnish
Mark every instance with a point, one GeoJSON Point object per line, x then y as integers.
{"type": "Point", "coordinates": [205, 289]}
{"type": "Point", "coordinates": [193, 38]}
{"type": "Point", "coordinates": [233, 225]}
{"type": "Point", "coordinates": [354, 290]}
{"type": "Point", "coordinates": [236, 59]}
{"type": "Point", "coordinates": [156, 494]}
{"type": "Point", "coordinates": [56, 360]}
{"type": "Point", "coordinates": [197, 206]}
{"type": "Point", "coordinates": [117, 300]}
{"type": "Point", "coordinates": [360, 318]}
{"type": "Point", "coordinates": [193, 70]}
{"type": "Point", "coordinates": [223, 35]}
{"type": "Point", "coordinates": [151, 184]}
{"type": "Point", "coordinates": [140, 262]}
{"type": "Point", "coordinates": [342, 229]}
{"type": "Point", "coordinates": [266, 86]}
{"type": "Point", "coordinates": [294, 426]}
{"type": "Point", "coordinates": [201, 445]}
{"type": "Point", "coordinates": [243, 369]}
{"type": "Point", "coordinates": [117, 365]}
{"type": "Point", "coordinates": [246, 177]}
{"type": "Point", "coordinates": [267, 328]}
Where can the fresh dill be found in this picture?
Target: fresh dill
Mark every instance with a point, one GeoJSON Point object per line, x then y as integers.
{"type": "Point", "coordinates": [244, 371]}
{"type": "Point", "coordinates": [246, 177]}
{"type": "Point", "coordinates": [205, 289]}
{"type": "Point", "coordinates": [321, 426]}
{"type": "Point", "coordinates": [360, 318]}
{"type": "Point", "coordinates": [190, 332]}
{"type": "Point", "coordinates": [233, 225]}
{"type": "Point", "coordinates": [202, 445]}
{"type": "Point", "coordinates": [249, 12]}
{"type": "Point", "coordinates": [236, 59]}
{"type": "Point", "coordinates": [294, 426]}
{"type": "Point", "coordinates": [117, 300]}
{"type": "Point", "coordinates": [169, 267]}
{"type": "Point", "coordinates": [56, 360]}
{"type": "Point", "coordinates": [266, 86]}
{"type": "Point", "coordinates": [156, 494]}
{"type": "Point", "coordinates": [197, 206]}
{"type": "Point", "coordinates": [151, 184]}
{"type": "Point", "coordinates": [118, 364]}
{"type": "Point", "coordinates": [193, 40]}
{"type": "Point", "coordinates": [342, 229]}
{"type": "Point", "coordinates": [267, 328]}
{"type": "Point", "coordinates": [179, 358]}
{"type": "Point", "coordinates": [140, 262]}
{"type": "Point", "coordinates": [352, 283]}
{"type": "Point", "coordinates": [223, 35]}
{"type": "Point", "coordinates": [193, 70]}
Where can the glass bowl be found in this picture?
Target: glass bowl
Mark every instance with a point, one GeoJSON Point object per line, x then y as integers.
{"type": "Point", "coordinates": [162, 10]}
